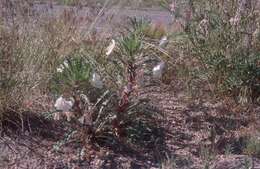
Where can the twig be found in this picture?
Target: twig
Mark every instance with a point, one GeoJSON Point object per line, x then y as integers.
{"type": "Point", "coordinates": [140, 101]}
{"type": "Point", "coordinates": [101, 98]}
{"type": "Point", "coordinates": [11, 148]}
{"type": "Point", "coordinates": [102, 108]}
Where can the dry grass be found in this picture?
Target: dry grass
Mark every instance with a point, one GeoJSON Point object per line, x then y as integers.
{"type": "Point", "coordinates": [30, 50]}
{"type": "Point", "coordinates": [32, 47]}
{"type": "Point", "coordinates": [98, 3]}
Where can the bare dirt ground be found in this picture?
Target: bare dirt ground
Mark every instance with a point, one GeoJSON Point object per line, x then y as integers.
{"type": "Point", "coordinates": [190, 127]}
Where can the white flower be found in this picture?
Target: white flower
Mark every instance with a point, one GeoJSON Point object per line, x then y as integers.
{"type": "Point", "coordinates": [96, 81]}
{"type": "Point", "coordinates": [158, 70]}
{"type": "Point", "coordinates": [60, 69]}
{"type": "Point", "coordinates": [163, 41]}
{"type": "Point", "coordinates": [111, 47]}
{"type": "Point", "coordinates": [66, 63]}
{"type": "Point", "coordinates": [63, 105]}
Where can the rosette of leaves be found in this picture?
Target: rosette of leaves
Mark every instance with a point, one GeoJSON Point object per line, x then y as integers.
{"type": "Point", "coordinates": [130, 45]}
{"type": "Point", "coordinates": [72, 73]}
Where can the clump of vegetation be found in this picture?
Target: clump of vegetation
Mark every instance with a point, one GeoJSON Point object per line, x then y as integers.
{"type": "Point", "coordinates": [168, 163]}
{"type": "Point", "coordinates": [53, 59]}
{"type": "Point", "coordinates": [73, 72]}
{"type": "Point", "coordinates": [155, 31]}
{"type": "Point", "coordinates": [29, 55]}
{"type": "Point", "coordinates": [52, 56]}
{"type": "Point", "coordinates": [252, 147]}
{"type": "Point", "coordinates": [26, 64]}
{"type": "Point", "coordinates": [220, 41]}
{"type": "Point", "coordinates": [207, 157]}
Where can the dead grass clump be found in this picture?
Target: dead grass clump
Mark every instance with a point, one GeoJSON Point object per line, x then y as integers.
{"type": "Point", "coordinates": [29, 54]}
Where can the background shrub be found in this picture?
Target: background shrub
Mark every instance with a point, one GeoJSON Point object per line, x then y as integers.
{"type": "Point", "coordinates": [219, 39]}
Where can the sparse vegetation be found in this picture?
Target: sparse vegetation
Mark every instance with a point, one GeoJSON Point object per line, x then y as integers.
{"type": "Point", "coordinates": [207, 156]}
{"type": "Point", "coordinates": [168, 163]}
{"type": "Point", "coordinates": [253, 147]}
{"type": "Point", "coordinates": [119, 111]}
